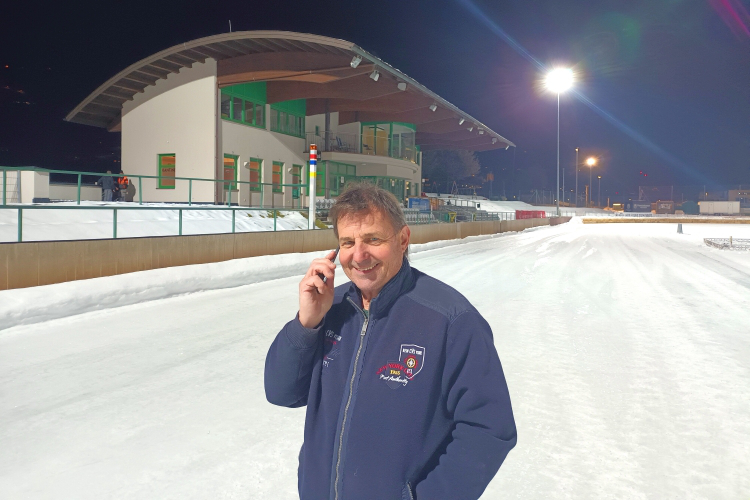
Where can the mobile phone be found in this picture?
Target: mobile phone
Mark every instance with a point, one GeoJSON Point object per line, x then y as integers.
{"type": "Point", "coordinates": [332, 260]}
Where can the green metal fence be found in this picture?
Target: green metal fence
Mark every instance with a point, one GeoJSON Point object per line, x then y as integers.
{"type": "Point", "coordinates": [119, 208]}
{"type": "Point", "coordinates": [228, 184]}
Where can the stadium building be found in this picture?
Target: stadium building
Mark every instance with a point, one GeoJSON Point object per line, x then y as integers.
{"type": "Point", "coordinates": [245, 106]}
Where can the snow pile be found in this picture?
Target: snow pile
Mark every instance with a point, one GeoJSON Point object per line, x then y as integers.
{"type": "Point", "coordinates": [43, 303]}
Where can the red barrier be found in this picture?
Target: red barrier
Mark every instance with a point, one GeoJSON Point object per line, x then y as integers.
{"type": "Point", "coordinates": [530, 214]}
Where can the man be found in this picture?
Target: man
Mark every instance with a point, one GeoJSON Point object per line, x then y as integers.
{"type": "Point", "coordinates": [121, 187]}
{"type": "Point", "coordinates": [405, 395]}
{"type": "Point", "coordinates": [107, 182]}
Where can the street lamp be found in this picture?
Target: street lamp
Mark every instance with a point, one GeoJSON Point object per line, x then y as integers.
{"type": "Point", "coordinates": [591, 161]}
{"type": "Point", "coordinates": [559, 80]}
{"type": "Point", "coordinates": [600, 192]}
{"type": "Point", "coordinates": [577, 164]}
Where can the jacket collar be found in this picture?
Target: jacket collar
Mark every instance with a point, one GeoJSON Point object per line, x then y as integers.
{"type": "Point", "coordinates": [397, 286]}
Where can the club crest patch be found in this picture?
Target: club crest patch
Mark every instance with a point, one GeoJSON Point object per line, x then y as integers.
{"type": "Point", "coordinates": [399, 373]}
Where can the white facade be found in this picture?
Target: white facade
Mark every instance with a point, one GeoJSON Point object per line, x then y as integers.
{"type": "Point", "coordinates": [175, 116]}
{"type": "Point", "coordinates": [251, 142]}
{"type": "Point", "coordinates": [181, 116]}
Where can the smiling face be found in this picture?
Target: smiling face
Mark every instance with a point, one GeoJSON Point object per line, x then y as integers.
{"type": "Point", "coordinates": [372, 251]}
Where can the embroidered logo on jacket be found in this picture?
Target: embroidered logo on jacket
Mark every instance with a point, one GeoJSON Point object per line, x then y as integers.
{"type": "Point", "coordinates": [330, 347]}
{"type": "Point", "coordinates": [399, 373]}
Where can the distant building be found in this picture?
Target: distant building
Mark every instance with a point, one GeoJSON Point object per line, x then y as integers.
{"type": "Point", "coordinates": [247, 105]}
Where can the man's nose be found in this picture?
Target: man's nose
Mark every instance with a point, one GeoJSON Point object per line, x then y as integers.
{"type": "Point", "coordinates": [361, 251]}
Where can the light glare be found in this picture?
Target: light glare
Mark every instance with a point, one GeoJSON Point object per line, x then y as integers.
{"type": "Point", "coordinates": [559, 80]}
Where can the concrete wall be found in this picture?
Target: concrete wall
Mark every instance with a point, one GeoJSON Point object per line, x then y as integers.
{"type": "Point", "coordinates": [177, 115]}
{"type": "Point", "coordinates": [42, 263]}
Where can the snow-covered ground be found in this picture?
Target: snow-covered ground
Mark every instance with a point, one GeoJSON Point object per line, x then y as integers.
{"type": "Point", "coordinates": [77, 224]}
{"type": "Point", "coordinates": [512, 206]}
{"type": "Point", "coordinates": [625, 347]}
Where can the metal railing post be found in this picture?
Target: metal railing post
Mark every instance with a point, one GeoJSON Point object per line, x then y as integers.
{"type": "Point", "coordinates": [180, 218]}
{"type": "Point", "coordinates": [20, 225]}
{"type": "Point", "coordinates": [114, 223]}
{"type": "Point", "coordinates": [5, 184]}
{"type": "Point", "coordinates": [190, 192]}
{"type": "Point", "coordinates": [78, 202]}
{"type": "Point", "coordinates": [274, 220]}
{"type": "Point", "coordinates": [233, 216]}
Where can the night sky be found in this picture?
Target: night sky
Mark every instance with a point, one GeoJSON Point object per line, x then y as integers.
{"type": "Point", "coordinates": [663, 86]}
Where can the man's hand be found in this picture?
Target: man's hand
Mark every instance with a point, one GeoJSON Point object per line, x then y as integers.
{"type": "Point", "coordinates": [316, 296]}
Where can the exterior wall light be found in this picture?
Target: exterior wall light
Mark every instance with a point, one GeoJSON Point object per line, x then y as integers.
{"type": "Point", "coordinates": [375, 75]}
{"type": "Point", "coordinates": [470, 129]}
{"type": "Point", "coordinates": [401, 85]}
{"type": "Point", "coordinates": [461, 121]}
{"type": "Point", "coordinates": [433, 107]}
{"type": "Point", "coordinates": [494, 140]}
{"type": "Point", "coordinates": [355, 61]}
{"type": "Point", "coordinates": [481, 131]}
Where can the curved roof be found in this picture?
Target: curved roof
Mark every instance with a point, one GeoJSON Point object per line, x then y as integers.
{"type": "Point", "coordinates": [301, 66]}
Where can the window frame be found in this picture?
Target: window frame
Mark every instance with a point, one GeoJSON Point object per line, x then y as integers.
{"type": "Point", "coordinates": [159, 170]}
{"type": "Point", "coordinates": [244, 111]}
{"type": "Point", "coordinates": [259, 170]}
{"type": "Point", "coordinates": [277, 187]}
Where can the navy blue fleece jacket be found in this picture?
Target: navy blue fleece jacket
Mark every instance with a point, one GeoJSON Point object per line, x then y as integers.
{"type": "Point", "coordinates": [407, 402]}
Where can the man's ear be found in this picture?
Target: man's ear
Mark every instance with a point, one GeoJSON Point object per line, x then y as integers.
{"type": "Point", "coordinates": [404, 238]}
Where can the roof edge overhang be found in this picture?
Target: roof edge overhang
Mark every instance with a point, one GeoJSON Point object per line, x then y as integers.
{"type": "Point", "coordinates": [109, 96]}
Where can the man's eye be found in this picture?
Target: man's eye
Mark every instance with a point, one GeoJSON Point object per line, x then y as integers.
{"type": "Point", "coordinates": [373, 241]}
{"type": "Point", "coordinates": [347, 244]}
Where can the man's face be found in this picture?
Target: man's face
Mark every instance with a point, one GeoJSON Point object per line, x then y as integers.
{"type": "Point", "coordinates": [371, 250]}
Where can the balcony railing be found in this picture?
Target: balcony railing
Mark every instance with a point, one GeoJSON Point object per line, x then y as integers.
{"type": "Point", "coordinates": [401, 146]}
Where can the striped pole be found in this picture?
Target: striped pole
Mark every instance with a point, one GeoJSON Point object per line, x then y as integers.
{"type": "Point", "coordinates": [311, 189]}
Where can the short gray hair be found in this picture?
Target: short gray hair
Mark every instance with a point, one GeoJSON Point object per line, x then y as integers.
{"type": "Point", "coordinates": [363, 197]}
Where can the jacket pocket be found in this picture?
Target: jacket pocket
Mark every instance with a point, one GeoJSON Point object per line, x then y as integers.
{"type": "Point", "coordinates": [406, 492]}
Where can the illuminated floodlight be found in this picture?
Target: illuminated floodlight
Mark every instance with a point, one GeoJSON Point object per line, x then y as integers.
{"type": "Point", "coordinates": [591, 161]}
{"type": "Point", "coordinates": [355, 61]}
{"type": "Point", "coordinates": [559, 80]}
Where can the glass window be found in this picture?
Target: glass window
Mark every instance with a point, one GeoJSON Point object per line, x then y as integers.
{"type": "Point", "coordinates": [226, 103]}
{"type": "Point", "coordinates": [297, 174]}
{"type": "Point", "coordinates": [277, 177]}
{"type": "Point", "coordinates": [259, 122]}
{"type": "Point", "coordinates": [237, 109]}
{"type": "Point", "coordinates": [230, 171]}
{"type": "Point", "coordinates": [166, 171]}
{"type": "Point", "coordinates": [248, 116]}
{"type": "Point", "coordinates": [254, 165]}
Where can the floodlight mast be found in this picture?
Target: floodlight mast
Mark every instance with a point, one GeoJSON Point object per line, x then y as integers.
{"type": "Point", "coordinates": [559, 80]}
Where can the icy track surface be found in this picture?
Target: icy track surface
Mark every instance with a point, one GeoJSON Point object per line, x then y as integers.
{"type": "Point", "coordinates": [625, 347]}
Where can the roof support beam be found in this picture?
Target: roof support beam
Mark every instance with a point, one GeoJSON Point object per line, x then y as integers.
{"type": "Point", "coordinates": [159, 73]}
{"type": "Point", "coordinates": [138, 77]}
{"type": "Point", "coordinates": [115, 93]}
{"type": "Point", "coordinates": [180, 59]}
{"type": "Point", "coordinates": [128, 86]}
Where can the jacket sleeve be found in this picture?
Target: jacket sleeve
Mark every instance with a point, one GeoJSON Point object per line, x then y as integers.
{"type": "Point", "coordinates": [477, 397]}
{"type": "Point", "coordinates": [289, 364]}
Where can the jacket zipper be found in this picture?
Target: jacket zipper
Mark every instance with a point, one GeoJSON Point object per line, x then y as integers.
{"type": "Point", "coordinates": [348, 402]}
{"type": "Point", "coordinates": [408, 488]}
